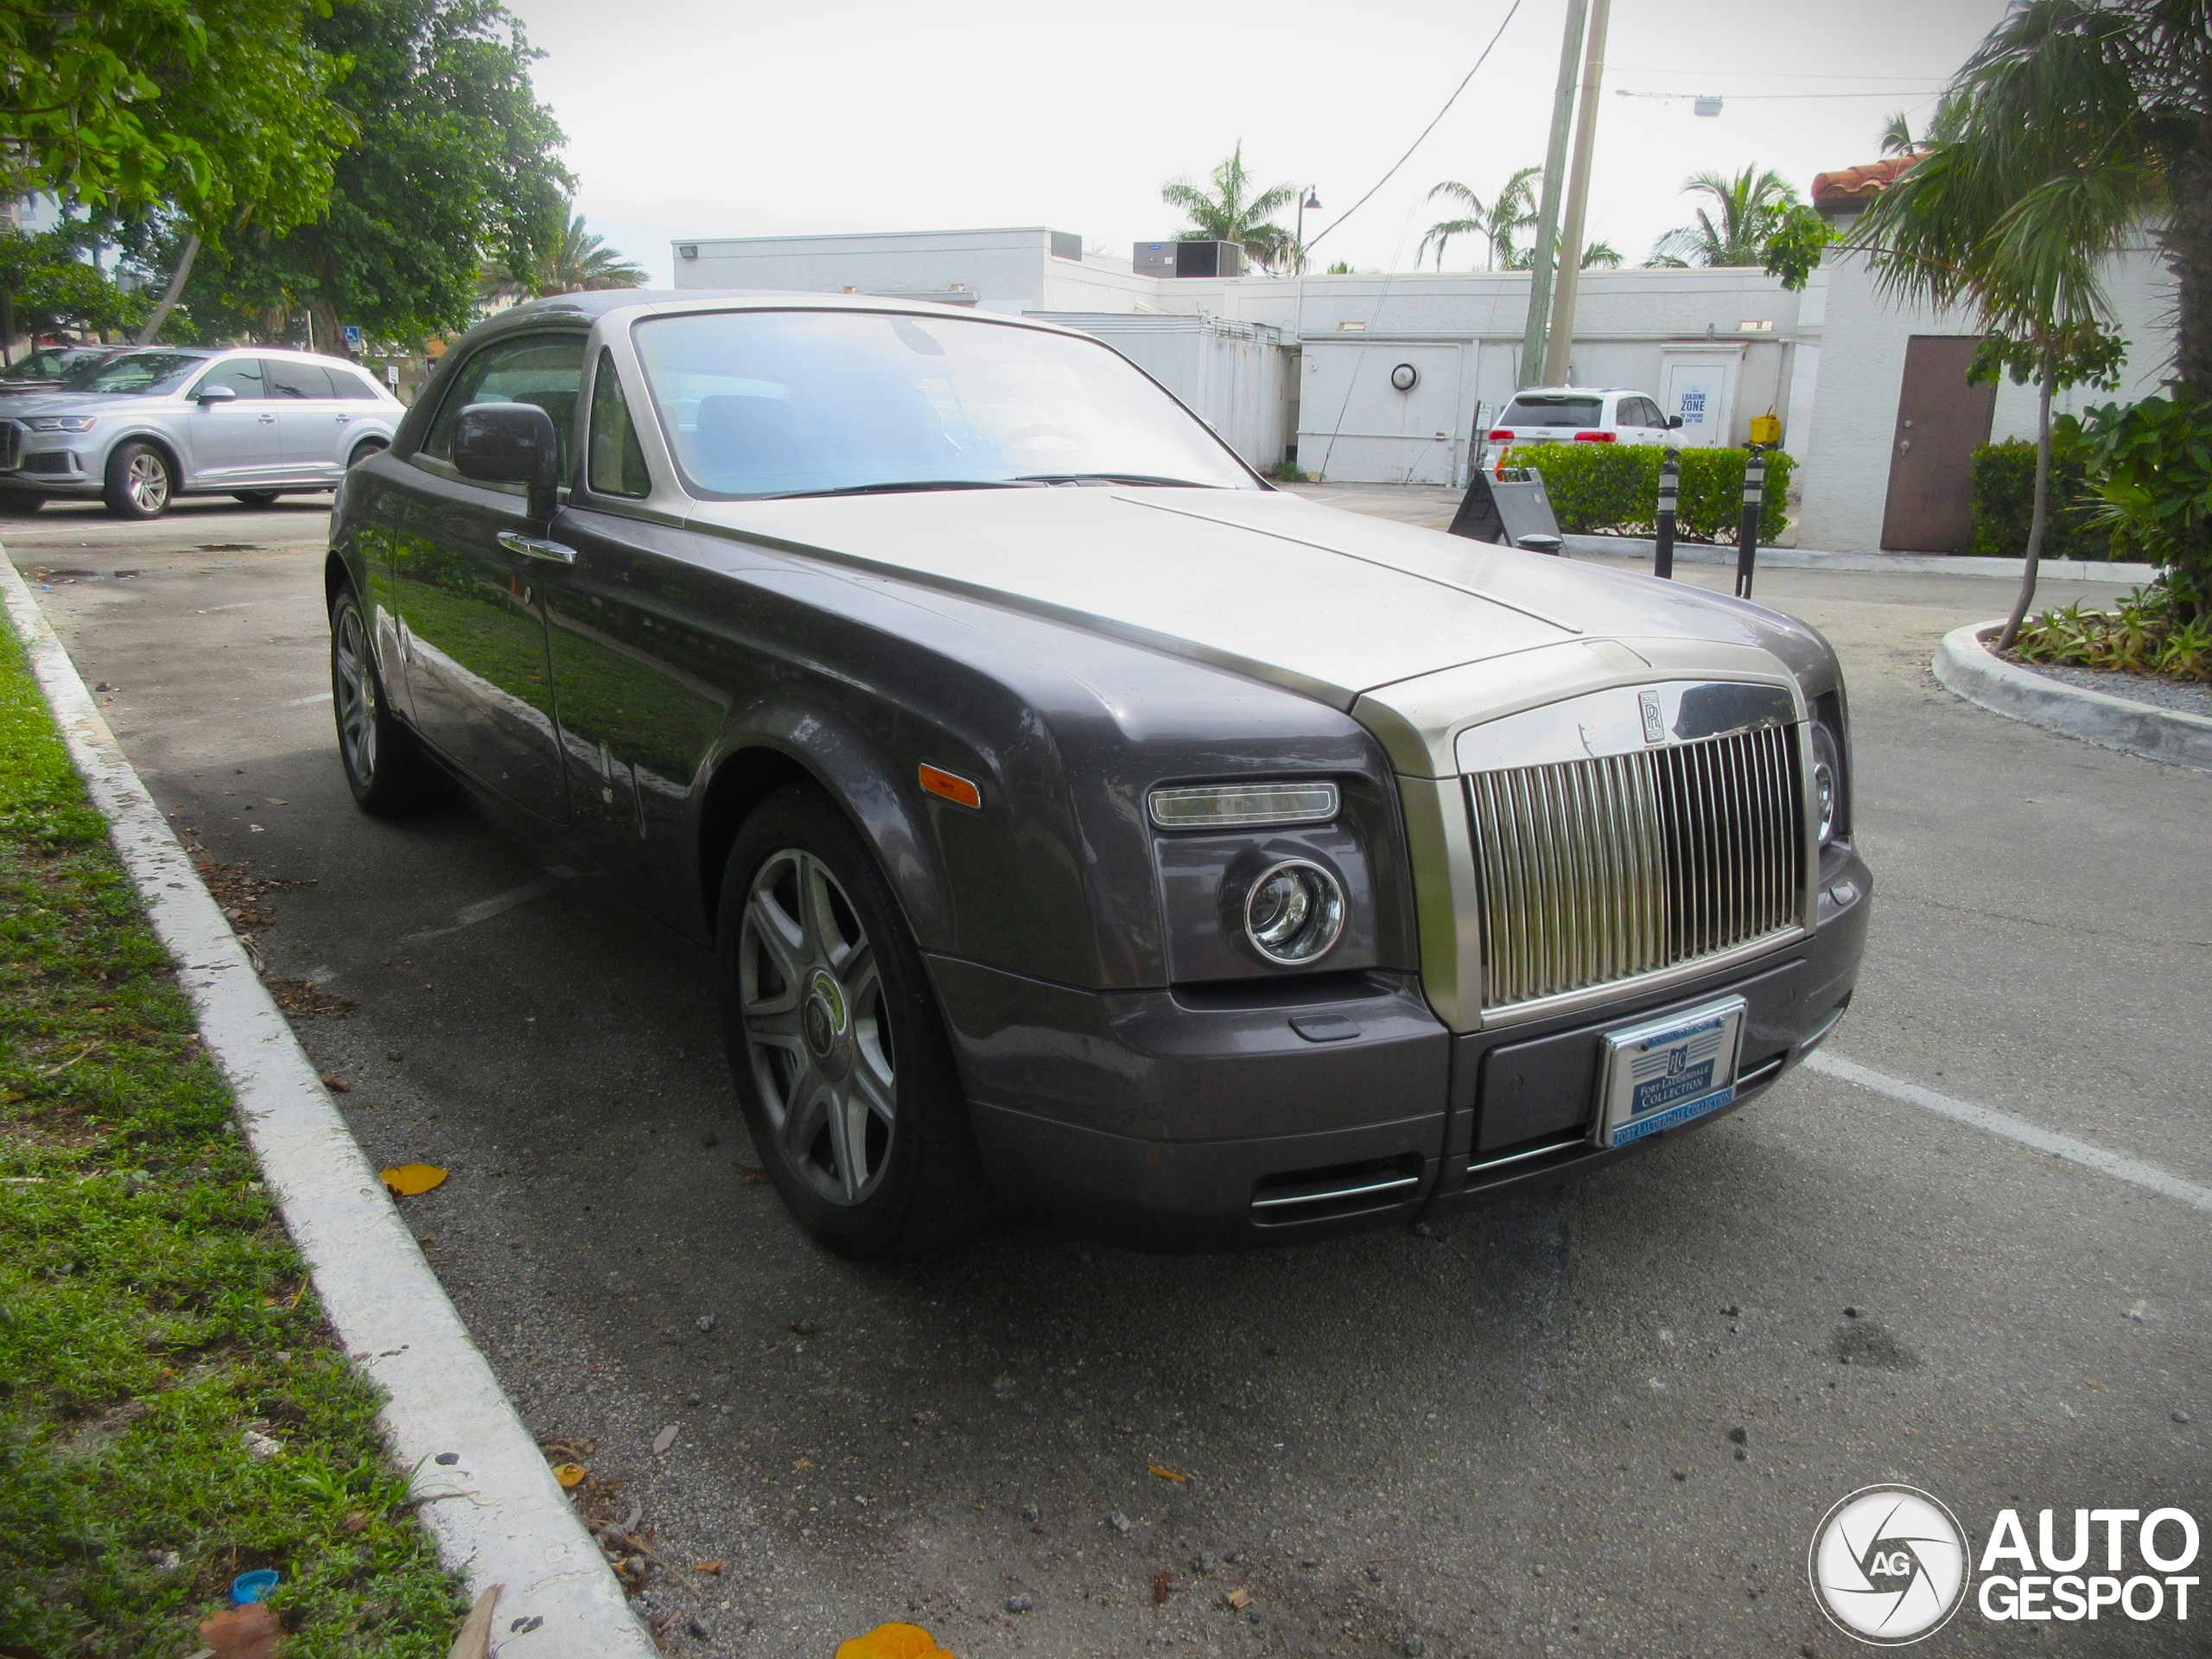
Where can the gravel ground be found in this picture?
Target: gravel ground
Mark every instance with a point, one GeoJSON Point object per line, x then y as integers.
{"type": "Point", "coordinates": [2136, 688]}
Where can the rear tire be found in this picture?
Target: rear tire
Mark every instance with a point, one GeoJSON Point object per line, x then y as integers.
{"type": "Point", "coordinates": [140, 482]}
{"type": "Point", "coordinates": [362, 451]}
{"type": "Point", "coordinates": [841, 1061]}
{"type": "Point", "coordinates": [255, 497]}
{"type": "Point", "coordinates": [385, 764]}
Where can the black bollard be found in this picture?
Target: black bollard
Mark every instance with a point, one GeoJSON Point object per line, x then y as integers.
{"type": "Point", "coordinates": [1670, 484]}
{"type": "Point", "coordinates": [1747, 533]}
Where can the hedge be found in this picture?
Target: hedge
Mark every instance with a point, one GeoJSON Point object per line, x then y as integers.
{"type": "Point", "coordinates": [2005, 500]}
{"type": "Point", "coordinates": [1612, 489]}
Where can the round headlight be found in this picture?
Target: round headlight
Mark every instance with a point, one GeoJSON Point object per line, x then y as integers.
{"type": "Point", "coordinates": [1828, 782]}
{"type": "Point", "coordinates": [1295, 913]}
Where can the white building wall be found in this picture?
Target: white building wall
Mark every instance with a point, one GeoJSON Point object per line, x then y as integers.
{"type": "Point", "coordinates": [1850, 386]}
{"type": "Point", "coordinates": [1232, 375]}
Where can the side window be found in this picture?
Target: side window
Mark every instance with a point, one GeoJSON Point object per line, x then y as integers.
{"type": "Point", "coordinates": [614, 462]}
{"type": "Point", "coordinates": [1648, 413]}
{"type": "Point", "coordinates": [288, 379]}
{"type": "Point", "coordinates": [347, 385]}
{"type": "Point", "coordinates": [547, 369]}
{"type": "Point", "coordinates": [241, 374]}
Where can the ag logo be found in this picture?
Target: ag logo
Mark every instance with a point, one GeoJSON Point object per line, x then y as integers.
{"type": "Point", "coordinates": [1889, 1564]}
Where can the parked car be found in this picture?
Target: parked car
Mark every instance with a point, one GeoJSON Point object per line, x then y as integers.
{"type": "Point", "coordinates": [1077, 823]}
{"type": "Point", "coordinates": [1583, 415]}
{"type": "Point", "coordinates": [47, 367]}
{"type": "Point", "coordinates": [140, 428]}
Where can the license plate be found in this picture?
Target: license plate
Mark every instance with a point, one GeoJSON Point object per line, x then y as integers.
{"type": "Point", "coordinates": [1662, 1073]}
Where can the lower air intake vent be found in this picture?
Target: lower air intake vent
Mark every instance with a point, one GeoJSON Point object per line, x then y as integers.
{"type": "Point", "coordinates": [1346, 1190]}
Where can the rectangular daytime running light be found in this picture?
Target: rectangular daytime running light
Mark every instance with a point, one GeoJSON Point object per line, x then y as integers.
{"type": "Point", "coordinates": [1242, 806]}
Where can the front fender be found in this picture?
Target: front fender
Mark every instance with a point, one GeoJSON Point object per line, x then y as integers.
{"type": "Point", "coordinates": [808, 738]}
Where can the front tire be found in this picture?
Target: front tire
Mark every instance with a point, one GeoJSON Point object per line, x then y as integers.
{"type": "Point", "coordinates": [385, 764]}
{"type": "Point", "coordinates": [842, 1066]}
{"type": "Point", "coordinates": [140, 482]}
{"type": "Point", "coordinates": [255, 497]}
{"type": "Point", "coordinates": [18, 504]}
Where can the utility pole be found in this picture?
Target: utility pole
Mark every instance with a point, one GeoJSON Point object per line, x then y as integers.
{"type": "Point", "coordinates": [1562, 345]}
{"type": "Point", "coordinates": [1539, 269]}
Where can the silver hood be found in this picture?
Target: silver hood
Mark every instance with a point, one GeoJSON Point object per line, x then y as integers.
{"type": "Point", "coordinates": [1331, 604]}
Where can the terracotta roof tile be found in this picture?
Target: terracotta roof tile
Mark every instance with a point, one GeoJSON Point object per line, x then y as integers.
{"type": "Point", "coordinates": [1857, 184]}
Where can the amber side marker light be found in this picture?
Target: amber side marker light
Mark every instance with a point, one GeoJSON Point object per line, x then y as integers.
{"type": "Point", "coordinates": [951, 786]}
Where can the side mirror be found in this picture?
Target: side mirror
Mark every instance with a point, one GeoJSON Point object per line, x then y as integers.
{"type": "Point", "coordinates": [511, 443]}
{"type": "Point", "coordinates": [217, 394]}
{"type": "Point", "coordinates": [1674, 421]}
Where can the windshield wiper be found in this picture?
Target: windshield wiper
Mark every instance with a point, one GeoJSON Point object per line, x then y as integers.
{"type": "Point", "coordinates": [1115, 478]}
{"type": "Point", "coordinates": [905, 485]}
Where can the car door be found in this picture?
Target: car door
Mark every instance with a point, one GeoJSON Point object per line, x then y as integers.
{"type": "Point", "coordinates": [309, 417]}
{"type": "Point", "coordinates": [640, 685]}
{"type": "Point", "coordinates": [233, 439]}
{"type": "Point", "coordinates": [470, 598]}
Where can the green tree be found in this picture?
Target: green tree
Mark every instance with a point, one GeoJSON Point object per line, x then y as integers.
{"type": "Point", "coordinates": [1896, 136]}
{"type": "Point", "coordinates": [576, 262]}
{"type": "Point", "coordinates": [1744, 212]}
{"type": "Point", "coordinates": [46, 285]}
{"type": "Point", "coordinates": [1234, 211]}
{"type": "Point", "coordinates": [2037, 167]}
{"type": "Point", "coordinates": [457, 161]}
{"type": "Point", "coordinates": [1510, 212]}
{"type": "Point", "coordinates": [1596, 256]}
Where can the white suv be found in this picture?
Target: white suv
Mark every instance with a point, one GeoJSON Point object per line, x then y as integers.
{"type": "Point", "coordinates": [1583, 415]}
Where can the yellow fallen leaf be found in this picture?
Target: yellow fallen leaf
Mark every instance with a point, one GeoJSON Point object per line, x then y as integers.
{"type": "Point", "coordinates": [568, 1474]}
{"type": "Point", "coordinates": [1165, 1473]}
{"type": "Point", "coordinates": [707, 1566]}
{"type": "Point", "coordinates": [1240, 1599]}
{"type": "Point", "coordinates": [893, 1642]}
{"type": "Point", "coordinates": [408, 1179]}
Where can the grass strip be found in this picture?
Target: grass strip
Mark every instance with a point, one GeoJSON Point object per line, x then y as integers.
{"type": "Point", "coordinates": [173, 1410]}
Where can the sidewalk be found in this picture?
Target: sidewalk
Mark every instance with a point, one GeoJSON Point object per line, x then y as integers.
{"type": "Point", "coordinates": [1432, 507]}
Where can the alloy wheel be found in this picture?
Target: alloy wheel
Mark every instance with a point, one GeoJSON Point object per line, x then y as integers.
{"type": "Point", "coordinates": [148, 481]}
{"type": "Point", "coordinates": [811, 1001]}
{"type": "Point", "coordinates": [355, 687]}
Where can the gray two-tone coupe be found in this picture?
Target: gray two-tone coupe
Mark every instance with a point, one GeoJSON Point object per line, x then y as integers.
{"type": "Point", "coordinates": [1079, 824]}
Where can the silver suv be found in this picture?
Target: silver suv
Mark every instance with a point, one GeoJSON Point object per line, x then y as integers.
{"type": "Point", "coordinates": [145, 426]}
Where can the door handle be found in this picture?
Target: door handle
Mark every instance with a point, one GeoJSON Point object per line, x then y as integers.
{"type": "Point", "coordinates": [537, 547]}
{"type": "Point", "coordinates": [268, 420]}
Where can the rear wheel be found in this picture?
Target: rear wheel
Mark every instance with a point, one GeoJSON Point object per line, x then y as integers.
{"type": "Point", "coordinates": [385, 764]}
{"type": "Point", "coordinates": [363, 449]}
{"type": "Point", "coordinates": [843, 1070]}
{"type": "Point", "coordinates": [140, 482]}
{"type": "Point", "coordinates": [255, 497]}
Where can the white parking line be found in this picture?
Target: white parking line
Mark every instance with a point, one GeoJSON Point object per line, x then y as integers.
{"type": "Point", "coordinates": [2119, 1164]}
{"type": "Point", "coordinates": [485, 909]}
{"type": "Point", "coordinates": [302, 702]}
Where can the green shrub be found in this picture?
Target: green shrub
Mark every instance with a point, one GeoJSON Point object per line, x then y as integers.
{"type": "Point", "coordinates": [1612, 489]}
{"type": "Point", "coordinates": [2005, 500]}
{"type": "Point", "coordinates": [2154, 631]}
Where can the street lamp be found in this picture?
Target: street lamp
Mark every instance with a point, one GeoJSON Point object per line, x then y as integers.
{"type": "Point", "coordinates": [1312, 201]}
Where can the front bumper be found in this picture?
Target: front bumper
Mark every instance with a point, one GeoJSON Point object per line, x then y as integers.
{"type": "Point", "coordinates": [1176, 1120]}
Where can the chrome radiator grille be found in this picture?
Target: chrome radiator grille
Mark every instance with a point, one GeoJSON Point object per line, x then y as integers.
{"type": "Point", "coordinates": [1598, 870]}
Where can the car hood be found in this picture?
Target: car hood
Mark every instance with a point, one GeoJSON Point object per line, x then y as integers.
{"type": "Point", "coordinates": [1330, 603]}
{"type": "Point", "coordinates": [81, 403]}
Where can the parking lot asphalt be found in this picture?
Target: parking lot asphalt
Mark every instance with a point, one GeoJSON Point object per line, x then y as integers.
{"type": "Point", "coordinates": [1602, 1421]}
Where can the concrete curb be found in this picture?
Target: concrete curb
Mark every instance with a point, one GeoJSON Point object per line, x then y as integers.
{"type": "Point", "coordinates": [497, 1514]}
{"type": "Point", "coordinates": [1967, 667]}
{"type": "Point", "coordinates": [1924, 564]}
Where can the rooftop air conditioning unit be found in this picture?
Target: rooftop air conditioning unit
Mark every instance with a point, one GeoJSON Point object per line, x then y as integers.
{"type": "Point", "coordinates": [1188, 259]}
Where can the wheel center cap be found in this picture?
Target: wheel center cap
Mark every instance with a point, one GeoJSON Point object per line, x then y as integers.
{"type": "Point", "coordinates": [824, 1013]}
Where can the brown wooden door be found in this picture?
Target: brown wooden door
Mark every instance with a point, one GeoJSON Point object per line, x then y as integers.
{"type": "Point", "coordinates": [1941, 421]}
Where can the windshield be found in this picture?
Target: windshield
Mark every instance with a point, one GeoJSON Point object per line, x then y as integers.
{"type": "Point", "coordinates": [1552, 411]}
{"type": "Point", "coordinates": [44, 363]}
{"type": "Point", "coordinates": [806, 403]}
{"type": "Point", "coordinates": [135, 371]}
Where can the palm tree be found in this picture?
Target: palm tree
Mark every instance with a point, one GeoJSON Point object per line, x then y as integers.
{"type": "Point", "coordinates": [1233, 212]}
{"type": "Point", "coordinates": [1513, 210]}
{"type": "Point", "coordinates": [1596, 256]}
{"type": "Point", "coordinates": [1750, 206]}
{"type": "Point", "coordinates": [574, 262]}
{"type": "Point", "coordinates": [1896, 136]}
{"type": "Point", "coordinates": [2033, 174]}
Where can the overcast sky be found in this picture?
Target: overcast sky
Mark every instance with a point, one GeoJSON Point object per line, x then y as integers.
{"type": "Point", "coordinates": [725, 117]}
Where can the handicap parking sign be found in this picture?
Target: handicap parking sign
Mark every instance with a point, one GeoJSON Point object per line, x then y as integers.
{"type": "Point", "coordinates": [352, 332]}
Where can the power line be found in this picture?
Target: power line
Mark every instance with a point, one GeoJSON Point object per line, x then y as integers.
{"type": "Point", "coordinates": [1745, 98]}
{"type": "Point", "coordinates": [1424, 131]}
